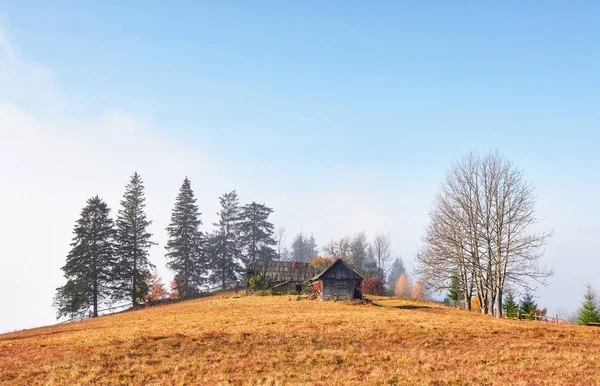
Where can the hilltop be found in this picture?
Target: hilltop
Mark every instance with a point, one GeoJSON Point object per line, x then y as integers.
{"type": "Point", "coordinates": [227, 339]}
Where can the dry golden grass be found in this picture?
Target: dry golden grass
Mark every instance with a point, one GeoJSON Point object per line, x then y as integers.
{"type": "Point", "coordinates": [277, 340]}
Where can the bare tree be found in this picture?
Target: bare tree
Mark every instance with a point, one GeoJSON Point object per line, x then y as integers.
{"type": "Point", "coordinates": [479, 231]}
{"type": "Point", "coordinates": [280, 237]}
{"type": "Point", "coordinates": [359, 249]}
{"type": "Point", "coordinates": [381, 252]}
{"type": "Point", "coordinates": [339, 249]}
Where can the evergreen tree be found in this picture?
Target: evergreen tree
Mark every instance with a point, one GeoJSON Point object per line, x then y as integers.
{"type": "Point", "coordinates": [509, 305]}
{"type": "Point", "coordinates": [304, 249]}
{"type": "Point", "coordinates": [185, 247]}
{"type": "Point", "coordinates": [90, 263]}
{"type": "Point", "coordinates": [588, 313]}
{"type": "Point", "coordinates": [454, 291]}
{"type": "Point", "coordinates": [396, 270]}
{"type": "Point", "coordinates": [133, 242]}
{"type": "Point", "coordinates": [224, 244]}
{"type": "Point", "coordinates": [256, 233]}
{"type": "Point", "coordinates": [527, 306]}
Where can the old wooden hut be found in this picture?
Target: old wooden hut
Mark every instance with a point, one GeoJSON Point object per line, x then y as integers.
{"type": "Point", "coordinates": [339, 281]}
{"type": "Point", "coordinates": [280, 276]}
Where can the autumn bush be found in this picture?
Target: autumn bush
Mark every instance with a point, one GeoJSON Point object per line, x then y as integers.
{"type": "Point", "coordinates": [373, 286]}
{"type": "Point", "coordinates": [321, 263]}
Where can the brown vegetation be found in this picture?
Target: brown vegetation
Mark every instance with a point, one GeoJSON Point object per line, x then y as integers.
{"type": "Point", "coordinates": [277, 340]}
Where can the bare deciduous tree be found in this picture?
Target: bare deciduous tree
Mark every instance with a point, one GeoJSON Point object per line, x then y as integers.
{"type": "Point", "coordinates": [480, 231]}
{"type": "Point", "coordinates": [280, 238]}
{"type": "Point", "coordinates": [381, 252]}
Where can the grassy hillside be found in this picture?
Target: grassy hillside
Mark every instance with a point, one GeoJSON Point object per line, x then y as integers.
{"type": "Point", "coordinates": [277, 340]}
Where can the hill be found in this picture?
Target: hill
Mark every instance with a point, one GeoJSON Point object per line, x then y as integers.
{"type": "Point", "coordinates": [277, 340]}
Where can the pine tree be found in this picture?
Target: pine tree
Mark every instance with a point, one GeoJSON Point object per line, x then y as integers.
{"type": "Point", "coordinates": [224, 243]}
{"type": "Point", "coordinates": [527, 306]}
{"type": "Point", "coordinates": [256, 233]}
{"type": "Point", "coordinates": [90, 263]}
{"type": "Point", "coordinates": [588, 313]}
{"type": "Point", "coordinates": [185, 247]}
{"type": "Point", "coordinates": [133, 242]}
{"type": "Point", "coordinates": [509, 305]}
{"type": "Point", "coordinates": [396, 270]}
{"type": "Point", "coordinates": [454, 291]}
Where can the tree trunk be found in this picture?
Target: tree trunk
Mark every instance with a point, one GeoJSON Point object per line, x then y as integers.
{"type": "Point", "coordinates": [499, 302]}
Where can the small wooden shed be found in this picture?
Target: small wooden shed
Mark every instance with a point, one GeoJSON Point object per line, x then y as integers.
{"type": "Point", "coordinates": [338, 282]}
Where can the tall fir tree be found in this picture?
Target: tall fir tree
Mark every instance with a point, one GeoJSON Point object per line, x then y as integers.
{"type": "Point", "coordinates": [185, 246]}
{"type": "Point", "coordinates": [256, 233]}
{"type": "Point", "coordinates": [588, 313]}
{"type": "Point", "coordinates": [509, 305]}
{"type": "Point", "coordinates": [133, 242]}
{"type": "Point", "coordinates": [90, 263]}
{"type": "Point", "coordinates": [527, 306]}
{"type": "Point", "coordinates": [224, 244]}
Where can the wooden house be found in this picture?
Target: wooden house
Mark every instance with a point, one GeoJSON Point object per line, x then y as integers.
{"type": "Point", "coordinates": [280, 276]}
{"type": "Point", "coordinates": [339, 281]}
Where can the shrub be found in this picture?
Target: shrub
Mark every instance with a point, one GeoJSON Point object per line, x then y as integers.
{"type": "Point", "coordinates": [373, 286]}
{"type": "Point", "coordinates": [255, 281]}
{"type": "Point", "coordinates": [321, 263]}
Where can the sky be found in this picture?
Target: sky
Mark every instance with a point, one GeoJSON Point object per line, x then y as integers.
{"type": "Point", "coordinates": [342, 116]}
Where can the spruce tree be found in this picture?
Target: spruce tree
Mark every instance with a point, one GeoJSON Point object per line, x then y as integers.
{"type": "Point", "coordinates": [256, 233]}
{"type": "Point", "coordinates": [454, 291]}
{"type": "Point", "coordinates": [90, 263]}
{"type": "Point", "coordinates": [224, 243]}
{"type": "Point", "coordinates": [527, 306]}
{"type": "Point", "coordinates": [509, 305]}
{"type": "Point", "coordinates": [133, 242]}
{"type": "Point", "coordinates": [185, 247]}
{"type": "Point", "coordinates": [396, 270]}
{"type": "Point", "coordinates": [588, 313]}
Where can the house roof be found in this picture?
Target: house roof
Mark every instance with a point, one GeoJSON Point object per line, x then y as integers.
{"type": "Point", "coordinates": [279, 271]}
{"type": "Point", "coordinates": [337, 270]}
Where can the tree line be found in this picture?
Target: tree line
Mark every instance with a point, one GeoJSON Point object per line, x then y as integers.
{"type": "Point", "coordinates": [373, 258]}
{"type": "Point", "coordinates": [108, 260]}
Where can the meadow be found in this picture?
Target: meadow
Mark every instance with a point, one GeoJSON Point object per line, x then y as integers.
{"type": "Point", "coordinates": [276, 340]}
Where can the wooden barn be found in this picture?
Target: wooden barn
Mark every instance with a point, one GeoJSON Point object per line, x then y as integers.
{"type": "Point", "coordinates": [280, 276]}
{"type": "Point", "coordinates": [338, 282]}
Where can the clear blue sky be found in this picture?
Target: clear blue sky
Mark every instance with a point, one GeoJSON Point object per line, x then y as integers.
{"type": "Point", "coordinates": [354, 110]}
{"type": "Point", "coordinates": [365, 83]}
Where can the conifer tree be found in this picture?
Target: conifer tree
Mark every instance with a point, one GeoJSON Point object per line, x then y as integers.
{"type": "Point", "coordinates": [588, 313]}
{"type": "Point", "coordinates": [509, 305]}
{"type": "Point", "coordinates": [396, 270]}
{"type": "Point", "coordinates": [90, 263]}
{"type": "Point", "coordinates": [256, 233]}
{"type": "Point", "coordinates": [133, 242]}
{"type": "Point", "coordinates": [454, 290]}
{"type": "Point", "coordinates": [224, 243]}
{"type": "Point", "coordinates": [185, 247]}
{"type": "Point", "coordinates": [527, 306]}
